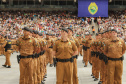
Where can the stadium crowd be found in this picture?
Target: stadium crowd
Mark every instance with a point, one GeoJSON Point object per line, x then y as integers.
{"type": "Point", "coordinates": [12, 22]}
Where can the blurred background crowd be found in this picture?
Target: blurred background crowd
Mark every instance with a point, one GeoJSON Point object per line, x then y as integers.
{"type": "Point", "coordinates": [12, 22]}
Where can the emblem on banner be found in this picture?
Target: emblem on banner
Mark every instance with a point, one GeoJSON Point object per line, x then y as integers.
{"type": "Point", "coordinates": [93, 8]}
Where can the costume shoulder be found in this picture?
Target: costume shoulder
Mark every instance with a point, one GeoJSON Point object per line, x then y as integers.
{"type": "Point", "coordinates": [121, 39]}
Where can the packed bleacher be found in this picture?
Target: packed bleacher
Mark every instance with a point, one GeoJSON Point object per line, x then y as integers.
{"type": "Point", "coordinates": [12, 22]}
